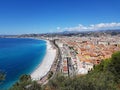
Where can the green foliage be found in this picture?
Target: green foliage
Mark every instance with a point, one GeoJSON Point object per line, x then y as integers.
{"type": "Point", "coordinates": [25, 83]}
{"type": "Point", "coordinates": [114, 66]}
{"type": "Point", "coordinates": [2, 76]}
{"type": "Point", "coordinates": [70, 47]}
{"type": "Point", "coordinates": [35, 86]}
{"type": "Point", "coordinates": [50, 74]}
{"type": "Point", "coordinates": [98, 81]}
{"type": "Point", "coordinates": [25, 78]}
{"type": "Point", "coordinates": [103, 66]}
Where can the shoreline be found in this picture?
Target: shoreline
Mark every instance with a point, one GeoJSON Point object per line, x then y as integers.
{"type": "Point", "coordinates": [45, 65]}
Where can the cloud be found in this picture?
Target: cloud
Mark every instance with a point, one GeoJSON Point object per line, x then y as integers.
{"type": "Point", "coordinates": [105, 26]}
{"type": "Point", "coordinates": [99, 26]}
{"type": "Point", "coordinates": [58, 28]}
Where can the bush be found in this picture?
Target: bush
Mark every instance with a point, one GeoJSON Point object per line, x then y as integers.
{"type": "Point", "coordinates": [114, 66]}
{"type": "Point", "coordinates": [25, 83]}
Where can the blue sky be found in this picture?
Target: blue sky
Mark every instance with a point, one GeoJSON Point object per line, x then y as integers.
{"type": "Point", "coordinates": [41, 16]}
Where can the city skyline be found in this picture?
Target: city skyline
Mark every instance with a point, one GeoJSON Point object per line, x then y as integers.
{"type": "Point", "coordinates": [42, 16]}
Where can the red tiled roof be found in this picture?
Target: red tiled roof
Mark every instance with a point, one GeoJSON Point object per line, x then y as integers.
{"type": "Point", "coordinates": [65, 68]}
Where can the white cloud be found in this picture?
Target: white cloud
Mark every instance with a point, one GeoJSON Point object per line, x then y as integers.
{"type": "Point", "coordinates": [99, 26]}
{"type": "Point", "coordinates": [105, 25]}
{"type": "Point", "coordinates": [58, 28]}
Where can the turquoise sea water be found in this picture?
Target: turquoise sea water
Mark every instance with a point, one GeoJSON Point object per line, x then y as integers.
{"type": "Point", "coordinates": [19, 56]}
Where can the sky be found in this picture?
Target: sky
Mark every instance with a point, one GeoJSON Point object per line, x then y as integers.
{"type": "Point", "coordinates": [44, 16]}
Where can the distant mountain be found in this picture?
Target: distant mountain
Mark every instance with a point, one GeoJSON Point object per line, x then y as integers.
{"type": "Point", "coordinates": [109, 30]}
{"type": "Point", "coordinates": [69, 33]}
{"type": "Point", "coordinates": [84, 33]}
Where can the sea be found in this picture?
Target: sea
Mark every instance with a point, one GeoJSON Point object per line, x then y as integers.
{"type": "Point", "coordinates": [19, 56]}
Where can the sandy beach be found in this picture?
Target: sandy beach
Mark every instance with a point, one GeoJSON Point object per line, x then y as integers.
{"type": "Point", "coordinates": [45, 66]}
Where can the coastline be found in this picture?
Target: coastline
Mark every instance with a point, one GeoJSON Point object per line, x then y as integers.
{"type": "Point", "coordinates": [45, 65]}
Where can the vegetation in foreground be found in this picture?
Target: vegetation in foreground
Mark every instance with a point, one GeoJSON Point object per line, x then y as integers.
{"type": "Point", "coordinates": [2, 76]}
{"type": "Point", "coordinates": [25, 83]}
{"type": "Point", "coordinates": [105, 76]}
